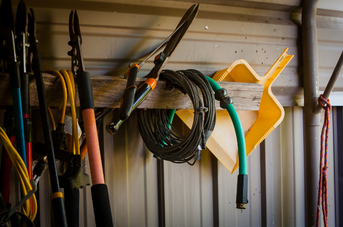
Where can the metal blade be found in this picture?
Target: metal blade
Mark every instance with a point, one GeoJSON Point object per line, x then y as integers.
{"type": "Point", "coordinates": [77, 26]}
{"type": "Point", "coordinates": [187, 18]}
{"type": "Point", "coordinates": [71, 25]}
{"type": "Point", "coordinates": [32, 24]}
{"type": "Point", "coordinates": [160, 46]}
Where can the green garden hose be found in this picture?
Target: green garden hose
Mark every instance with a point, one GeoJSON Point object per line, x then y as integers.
{"type": "Point", "coordinates": [242, 184]}
{"type": "Point", "coordinates": [238, 129]}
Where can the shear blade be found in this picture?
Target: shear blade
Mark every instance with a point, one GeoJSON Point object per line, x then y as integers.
{"type": "Point", "coordinates": [74, 25]}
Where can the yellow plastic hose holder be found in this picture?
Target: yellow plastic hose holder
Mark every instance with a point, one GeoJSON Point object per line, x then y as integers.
{"type": "Point", "coordinates": [257, 125]}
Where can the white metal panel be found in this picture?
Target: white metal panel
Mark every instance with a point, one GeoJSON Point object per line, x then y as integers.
{"type": "Point", "coordinates": [182, 192]}
{"type": "Point", "coordinates": [299, 178]}
{"type": "Point", "coordinates": [130, 176]}
{"type": "Point", "coordinates": [227, 185]}
{"type": "Point", "coordinates": [116, 33]}
{"type": "Point", "coordinates": [273, 178]}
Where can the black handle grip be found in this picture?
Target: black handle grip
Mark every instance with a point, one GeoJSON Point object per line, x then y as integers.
{"type": "Point", "coordinates": [85, 90]}
{"type": "Point", "coordinates": [59, 212]}
{"type": "Point", "coordinates": [128, 99]}
{"type": "Point", "coordinates": [132, 75]}
{"type": "Point", "coordinates": [143, 91]}
{"type": "Point", "coordinates": [129, 94]}
{"type": "Point", "coordinates": [72, 197]}
{"type": "Point", "coordinates": [101, 206]}
{"type": "Point", "coordinates": [25, 93]}
{"type": "Point", "coordinates": [14, 75]}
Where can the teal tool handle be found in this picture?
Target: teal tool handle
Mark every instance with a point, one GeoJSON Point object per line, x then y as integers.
{"type": "Point", "coordinates": [19, 125]}
{"type": "Point", "coordinates": [13, 70]}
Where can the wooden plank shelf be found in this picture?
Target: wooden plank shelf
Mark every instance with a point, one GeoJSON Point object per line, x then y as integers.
{"type": "Point", "coordinates": [108, 92]}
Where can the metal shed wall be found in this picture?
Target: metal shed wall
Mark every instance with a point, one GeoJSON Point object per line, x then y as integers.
{"type": "Point", "coordinates": [116, 33]}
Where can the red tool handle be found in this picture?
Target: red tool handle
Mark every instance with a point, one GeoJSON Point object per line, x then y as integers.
{"type": "Point", "coordinates": [93, 146]}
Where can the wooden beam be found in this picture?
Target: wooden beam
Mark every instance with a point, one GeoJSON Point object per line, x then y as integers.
{"type": "Point", "coordinates": [108, 91]}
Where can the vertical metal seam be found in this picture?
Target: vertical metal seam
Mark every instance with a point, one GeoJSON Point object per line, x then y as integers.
{"type": "Point", "coordinates": [294, 170]}
{"type": "Point", "coordinates": [145, 186]}
{"type": "Point", "coordinates": [263, 184]}
{"type": "Point", "coordinates": [215, 189]}
{"type": "Point", "coordinates": [161, 194]}
{"type": "Point", "coordinates": [127, 173]}
{"type": "Point", "coordinates": [200, 196]}
{"type": "Point", "coordinates": [338, 178]}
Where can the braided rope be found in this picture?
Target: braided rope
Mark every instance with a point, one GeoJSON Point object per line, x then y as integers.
{"type": "Point", "coordinates": [322, 192]}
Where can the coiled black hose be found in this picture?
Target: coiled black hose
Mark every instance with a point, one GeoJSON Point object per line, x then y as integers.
{"type": "Point", "coordinates": [166, 142]}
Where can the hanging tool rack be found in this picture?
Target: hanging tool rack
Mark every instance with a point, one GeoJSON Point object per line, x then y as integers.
{"type": "Point", "coordinates": [108, 92]}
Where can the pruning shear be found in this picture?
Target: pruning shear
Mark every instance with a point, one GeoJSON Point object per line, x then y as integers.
{"type": "Point", "coordinates": [101, 204]}
{"type": "Point", "coordinates": [11, 66]}
{"type": "Point", "coordinates": [132, 98]}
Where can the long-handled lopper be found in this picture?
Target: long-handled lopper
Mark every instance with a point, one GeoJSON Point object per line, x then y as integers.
{"type": "Point", "coordinates": [22, 46]}
{"type": "Point", "coordinates": [57, 195]}
{"type": "Point", "coordinates": [12, 68]}
{"type": "Point", "coordinates": [101, 203]}
{"type": "Point", "coordinates": [132, 98]}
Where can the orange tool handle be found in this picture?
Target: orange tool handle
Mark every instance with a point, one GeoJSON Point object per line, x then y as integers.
{"type": "Point", "coordinates": [93, 146]}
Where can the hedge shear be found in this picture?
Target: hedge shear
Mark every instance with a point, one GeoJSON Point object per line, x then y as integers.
{"type": "Point", "coordinates": [132, 98]}
{"type": "Point", "coordinates": [101, 204]}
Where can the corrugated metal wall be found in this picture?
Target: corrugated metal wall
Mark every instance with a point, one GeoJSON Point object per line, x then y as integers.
{"type": "Point", "coordinates": [116, 33]}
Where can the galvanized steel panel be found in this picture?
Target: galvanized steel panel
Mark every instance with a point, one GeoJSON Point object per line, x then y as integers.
{"type": "Point", "coordinates": [116, 33]}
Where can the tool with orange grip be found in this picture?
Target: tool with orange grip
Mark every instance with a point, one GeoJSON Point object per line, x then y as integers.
{"type": "Point", "coordinates": [130, 91]}
{"type": "Point", "coordinates": [132, 98]}
{"type": "Point", "coordinates": [101, 203]}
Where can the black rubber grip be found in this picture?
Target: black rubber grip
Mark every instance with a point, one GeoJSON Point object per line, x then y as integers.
{"type": "Point", "coordinates": [85, 91]}
{"type": "Point", "coordinates": [141, 94]}
{"type": "Point", "coordinates": [132, 76]}
{"type": "Point", "coordinates": [14, 74]}
{"type": "Point", "coordinates": [59, 212]}
{"type": "Point", "coordinates": [72, 197]}
{"type": "Point", "coordinates": [25, 93]}
{"type": "Point", "coordinates": [128, 100]}
{"type": "Point", "coordinates": [101, 206]}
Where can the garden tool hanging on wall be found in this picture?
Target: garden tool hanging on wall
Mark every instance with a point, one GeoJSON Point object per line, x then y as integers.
{"type": "Point", "coordinates": [57, 195]}
{"type": "Point", "coordinates": [11, 66]}
{"type": "Point", "coordinates": [132, 98]}
{"type": "Point", "coordinates": [101, 203]}
{"type": "Point", "coordinates": [21, 26]}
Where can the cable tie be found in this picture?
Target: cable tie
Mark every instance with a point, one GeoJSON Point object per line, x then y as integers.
{"type": "Point", "coordinates": [202, 109]}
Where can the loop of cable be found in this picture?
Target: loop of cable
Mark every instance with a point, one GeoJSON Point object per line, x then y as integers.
{"type": "Point", "coordinates": [23, 175]}
{"type": "Point", "coordinates": [162, 139]}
